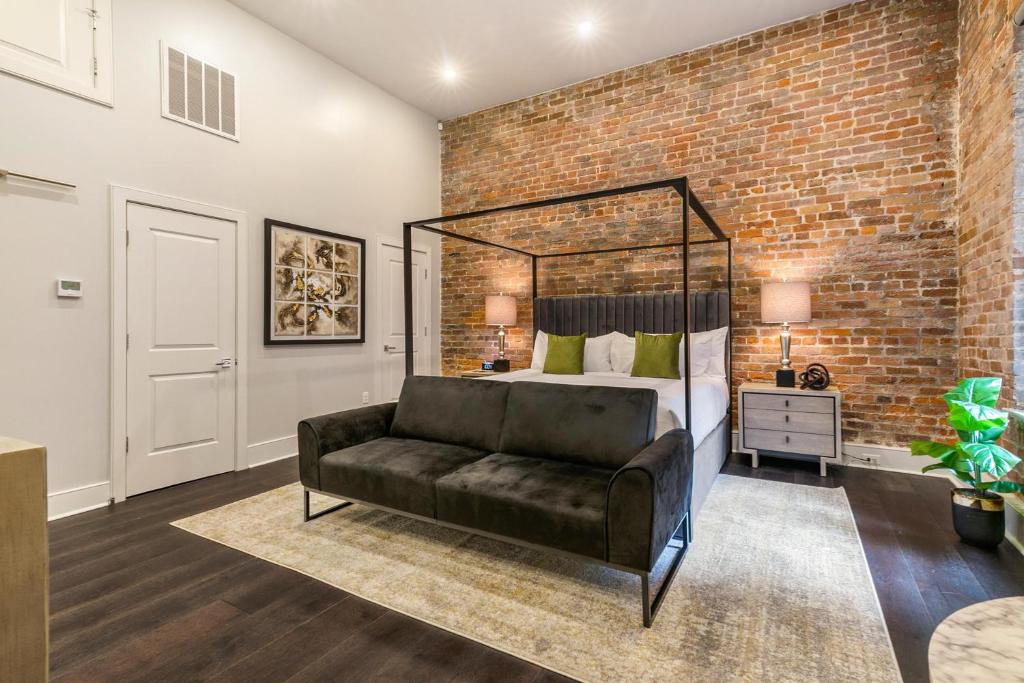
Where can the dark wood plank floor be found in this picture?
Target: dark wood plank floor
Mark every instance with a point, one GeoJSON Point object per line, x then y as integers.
{"type": "Point", "coordinates": [134, 599]}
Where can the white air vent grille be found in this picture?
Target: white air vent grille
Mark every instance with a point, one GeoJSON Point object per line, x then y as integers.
{"type": "Point", "coordinates": [228, 102]}
{"type": "Point", "coordinates": [198, 94]}
{"type": "Point", "coordinates": [175, 84]}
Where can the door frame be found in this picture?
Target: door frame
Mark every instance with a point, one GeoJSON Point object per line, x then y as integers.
{"type": "Point", "coordinates": [120, 198]}
{"type": "Point", "coordinates": [432, 299]}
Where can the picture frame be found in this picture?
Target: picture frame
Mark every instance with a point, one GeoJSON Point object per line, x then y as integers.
{"type": "Point", "coordinates": [314, 286]}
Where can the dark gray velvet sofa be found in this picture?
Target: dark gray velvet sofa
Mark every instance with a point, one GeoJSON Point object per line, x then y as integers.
{"type": "Point", "coordinates": [571, 469]}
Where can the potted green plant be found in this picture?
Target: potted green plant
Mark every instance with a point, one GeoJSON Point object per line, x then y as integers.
{"type": "Point", "coordinates": [978, 514]}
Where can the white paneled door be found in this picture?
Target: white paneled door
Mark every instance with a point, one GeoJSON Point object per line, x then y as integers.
{"type": "Point", "coordinates": [393, 318]}
{"type": "Point", "coordinates": [181, 347]}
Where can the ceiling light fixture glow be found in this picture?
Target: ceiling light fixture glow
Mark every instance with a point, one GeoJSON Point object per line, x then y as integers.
{"type": "Point", "coordinates": [449, 73]}
{"type": "Point", "coordinates": [585, 28]}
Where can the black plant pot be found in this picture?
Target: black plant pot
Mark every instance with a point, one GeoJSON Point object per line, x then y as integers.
{"type": "Point", "coordinates": [978, 517]}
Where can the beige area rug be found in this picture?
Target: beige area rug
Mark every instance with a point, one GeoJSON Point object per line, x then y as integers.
{"type": "Point", "coordinates": [775, 587]}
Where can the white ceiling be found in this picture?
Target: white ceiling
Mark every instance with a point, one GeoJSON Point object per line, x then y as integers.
{"type": "Point", "coordinates": [504, 50]}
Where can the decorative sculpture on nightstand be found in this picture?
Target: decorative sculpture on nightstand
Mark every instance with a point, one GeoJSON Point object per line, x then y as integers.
{"type": "Point", "coordinates": [815, 377]}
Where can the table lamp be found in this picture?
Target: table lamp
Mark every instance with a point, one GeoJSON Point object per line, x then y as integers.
{"type": "Point", "coordinates": [500, 310]}
{"type": "Point", "coordinates": [785, 302]}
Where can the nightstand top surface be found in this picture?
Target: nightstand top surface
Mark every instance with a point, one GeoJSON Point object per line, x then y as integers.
{"type": "Point", "coordinates": [478, 373]}
{"type": "Point", "coordinates": [766, 388]}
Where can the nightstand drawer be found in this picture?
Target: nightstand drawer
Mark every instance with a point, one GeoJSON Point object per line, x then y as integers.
{"type": "Point", "coordinates": [802, 404]}
{"type": "Point", "coordinates": [790, 442]}
{"type": "Point", "coordinates": [785, 420]}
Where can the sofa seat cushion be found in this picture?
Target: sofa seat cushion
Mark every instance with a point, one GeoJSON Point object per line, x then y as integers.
{"type": "Point", "coordinates": [545, 502]}
{"type": "Point", "coordinates": [394, 473]}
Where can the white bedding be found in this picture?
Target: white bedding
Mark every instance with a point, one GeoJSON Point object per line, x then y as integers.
{"type": "Point", "coordinates": [710, 396]}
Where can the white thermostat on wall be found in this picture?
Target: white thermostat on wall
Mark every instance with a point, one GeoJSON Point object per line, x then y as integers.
{"type": "Point", "coordinates": [68, 288]}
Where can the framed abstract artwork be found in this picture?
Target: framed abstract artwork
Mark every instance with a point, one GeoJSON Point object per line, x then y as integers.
{"type": "Point", "coordinates": [314, 286]}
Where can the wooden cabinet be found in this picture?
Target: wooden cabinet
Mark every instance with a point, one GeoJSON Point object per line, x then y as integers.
{"type": "Point", "coordinates": [23, 563]}
{"type": "Point", "coordinates": [65, 44]}
{"type": "Point", "coordinates": [791, 423]}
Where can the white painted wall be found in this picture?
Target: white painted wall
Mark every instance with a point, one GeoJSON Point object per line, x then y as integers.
{"type": "Point", "coordinates": [320, 147]}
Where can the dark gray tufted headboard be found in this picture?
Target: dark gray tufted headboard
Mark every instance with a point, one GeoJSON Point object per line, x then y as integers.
{"type": "Point", "coordinates": [655, 313]}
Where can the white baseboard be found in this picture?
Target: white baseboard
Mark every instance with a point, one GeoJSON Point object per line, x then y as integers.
{"type": "Point", "coordinates": [272, 450]}
{"type": "Point", "coordinates": [79, 499]}
{"type": "Point", "coordinates": [885, 458]}
{"type": "Point", "coordinates": [1015, 524]}
{"type": "Point", "coordinates": [92, 496]}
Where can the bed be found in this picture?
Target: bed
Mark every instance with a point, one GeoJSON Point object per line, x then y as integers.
{"type": "Point", "coordinates": [655, 313]}
{"type": "Point", "coordinates": [601, 315]}
{"type": "Point", "coordinates": [710, 396]}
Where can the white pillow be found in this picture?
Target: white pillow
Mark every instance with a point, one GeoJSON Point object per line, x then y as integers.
{"type": "Point", "coordinates": [711, 346]}
{"type": "Point", "coordinates": [597, 354]}
{"type": "Point", "coordinates": [622, 352]}
{"type": "Point", "coordinates": [540, 350]}
{"type": "Point", "coordinates": [700, 354]}
{"type": "Point", "coordinates": [707, 352]}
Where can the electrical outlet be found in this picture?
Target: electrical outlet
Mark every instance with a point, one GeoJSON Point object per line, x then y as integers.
{"type": "Point", "coordinates": [366, 397]}
{"type": "Point", "coordinates": [867, 458]}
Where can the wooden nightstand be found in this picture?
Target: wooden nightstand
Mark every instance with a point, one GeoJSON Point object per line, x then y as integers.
{"type": "Point", "coordinates": [478, 373]}
{"type": "Point", "coordinates": [794, 423]}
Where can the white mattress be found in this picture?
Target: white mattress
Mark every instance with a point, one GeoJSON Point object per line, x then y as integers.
{"type": "Point", "coordinates": [710, 396]}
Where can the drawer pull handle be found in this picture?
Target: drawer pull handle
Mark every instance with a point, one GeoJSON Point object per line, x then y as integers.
{"type": "Point", "coordinates": [787, 418]}
{"type": "Point", "coordinates": [787, 438]}
{"type": "Point", "coordinates": [787, 402]}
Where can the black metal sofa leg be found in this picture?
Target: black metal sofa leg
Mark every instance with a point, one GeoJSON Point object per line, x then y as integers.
{"type": "Point", "coordinates": [305, 507]}
{"type": "Point", "coordinates": [650, 607]}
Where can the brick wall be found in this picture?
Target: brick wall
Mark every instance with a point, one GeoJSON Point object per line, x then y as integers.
{"type": "Point", "coordinates": [825, 146]}
{"type": "Point", "coordinates": [991, 235]}
{"type": "Point", "coordinates": [986, 236]}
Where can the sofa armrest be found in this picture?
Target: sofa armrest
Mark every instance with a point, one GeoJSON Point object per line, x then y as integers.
{"type": "Point", "coordinates": [647, 499]}
{"type": "Point", "coordinates": [325, 434]}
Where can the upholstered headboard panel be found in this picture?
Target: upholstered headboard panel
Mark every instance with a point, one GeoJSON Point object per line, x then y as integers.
{"type": "Point", "coordinates": [655, 313]}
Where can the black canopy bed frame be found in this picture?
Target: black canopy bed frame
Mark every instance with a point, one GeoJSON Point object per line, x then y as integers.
{"type": "Point", "coordinates": [625, 313]}
{"type": "Point", "coordinates": [689, 201]}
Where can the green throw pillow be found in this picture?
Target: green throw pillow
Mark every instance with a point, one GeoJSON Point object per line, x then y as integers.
{"type": "Point", "coordinates": [565, 355]}
{"type": "Point", "coordinates": [657, 355]}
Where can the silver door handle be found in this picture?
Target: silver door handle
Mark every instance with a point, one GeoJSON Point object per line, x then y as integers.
{"type": "Point", "coordinates": [390, 348]}
{"type": "Point", "coordinates": [225, 362]}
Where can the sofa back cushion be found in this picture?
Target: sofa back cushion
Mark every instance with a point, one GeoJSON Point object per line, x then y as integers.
{"type": "Point", "coordinates": [597, 426]}
{"type": "Point", "coordinates": [465, 412]}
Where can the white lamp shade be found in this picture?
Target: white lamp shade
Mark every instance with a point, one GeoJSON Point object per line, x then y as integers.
{"type": "Point", "coordinates": [500, 310]}
{"type": "Point", "coordinates": [785, 302]}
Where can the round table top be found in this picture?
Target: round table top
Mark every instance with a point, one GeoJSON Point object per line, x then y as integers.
{"type": "Point", "coordinates": [983, 642]}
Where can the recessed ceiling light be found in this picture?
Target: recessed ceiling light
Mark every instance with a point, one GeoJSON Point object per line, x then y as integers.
{"type": "Point", "coordinates": [449, 73]}
{"type": "Point", "coordinates": [585, 28]}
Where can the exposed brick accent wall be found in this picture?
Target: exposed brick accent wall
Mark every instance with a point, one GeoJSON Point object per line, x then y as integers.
{"type": "Point", "coordinates": [1013, 439]}
{"type": "Point", "coordinates": [986, 237]}
{"type": "Point", "coordinates": [825, 146]}
{"type": "Point", "coordinates": [991, 236]}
